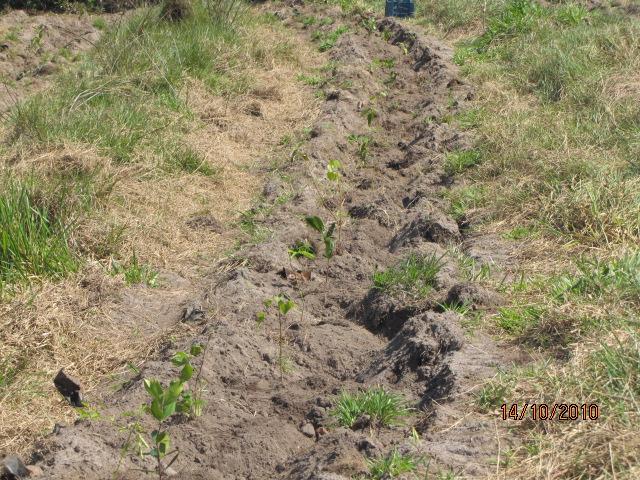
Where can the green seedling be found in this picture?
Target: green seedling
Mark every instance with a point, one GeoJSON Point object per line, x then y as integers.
{"type": "Point", "coordinates": [391, 78]}
{"type": "Point", "coordinates": [282, 305]}
{"type": "Point", "coordinates": [363, 142]}
{"type": "Point", "coordinates": [302, 249]}
{"type": "Point", "coordinates": [135, 273]}
{"type": "Point", "coordinates": [369, 24]}
{"type": "Point", "coordinates": [333, 170]}
{"type": "Point", "coordinates": [326, 233]}
{"type": "Point", "coordinates": [392, 466]}
{"type": "Point", "coordinates": [370, 114]}
{"type": "Point", "coordinates": [334, 175]}
{"type": "Point", "coordinates": [164, 403]}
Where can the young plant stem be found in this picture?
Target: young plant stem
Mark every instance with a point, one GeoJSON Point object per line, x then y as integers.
{"type": "Point", "coordinates": [280, 342]}
{"type": "Point", "coordinates": [160, 469]}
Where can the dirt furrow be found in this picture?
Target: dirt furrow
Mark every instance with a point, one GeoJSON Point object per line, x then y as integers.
{"type": "Point", "coordinates": [383, 120]}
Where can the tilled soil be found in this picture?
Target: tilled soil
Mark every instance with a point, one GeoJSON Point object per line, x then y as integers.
{"type": "Point", "coordinates": [350, 336]}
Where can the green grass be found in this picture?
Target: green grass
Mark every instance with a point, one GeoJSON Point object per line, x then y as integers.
{"type": "Point", "coordinates": [464, 199]}
{"type": "Point", "coordinates": [327, 40]}
{"type": "Point", "coordinates": [130, 104]}
{"type": "Point", "coordinates": [557, 122]}
{"type": "Point", "coordinates": [516, 320]}
{"type": "Point", "coordinates": [414, 275]}
{"type": "Point", "coordinates": [384, 408]}
{"type": "Point", "coordinates": [458, 162]}
{"type": "Point", "coordinates": [34, 239]}
{"type": "Point", "coordinates": [392, 466]}
{"type": "Point", "coordinates": [135, 273]}
{"type": "Point", "coordinates": [617, 278]}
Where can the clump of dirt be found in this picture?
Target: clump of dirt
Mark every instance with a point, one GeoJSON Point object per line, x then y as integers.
{"type": "Point", "coordinates": [256, 426]}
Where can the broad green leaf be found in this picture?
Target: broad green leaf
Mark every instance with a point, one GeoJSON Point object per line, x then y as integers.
{"type": "Point", "coordinates": [196, 349]}
{"type": "Point", "coordinates": [260, 317]}
{"type": "Point", "coordinates": [329, 247]}
{"type": "Point", "coordinates": [335, 164]}
{"type": "Point", "coordinates": [162, 442]}
{"type": "Point", "coordinates": [186, 373]}
{"type": "Point", "coordinates": [180, 358]}
{"type": "Point", "coordinates": [156, 409]}
{"type": "Point", "coordinates": [173, 391]}
{"type": "Point", "coordinates": [153, 388]}
{"type": "Point", "coordinates": [284, 305]}
{"type": "Point", "coordinates": [169, 409]}
{"type": "Point", "coordinates": [315, 222]}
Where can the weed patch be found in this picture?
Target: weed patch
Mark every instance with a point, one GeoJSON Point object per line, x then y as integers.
{"type": "Point", "coordinates": [33, 239]}
{"type": "Point", "coordinates": [392, 466]}
{"type": "Point", "coordinates": [415, 275]}
{"type": "Point", "coordinates": [383, 408]}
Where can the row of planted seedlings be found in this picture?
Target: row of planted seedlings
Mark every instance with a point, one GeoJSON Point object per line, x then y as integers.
{"type": "Point", "coordinates": [373, 408]}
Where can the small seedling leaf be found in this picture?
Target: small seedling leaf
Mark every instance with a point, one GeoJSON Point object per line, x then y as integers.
{"type": "Point", "coordinates": [173, 392]}
{"type": "Point", "coordinates": [284, 305]}
{"type": "Point", "coordinates": [315, 222]}
{"type": "Point", "coordinates": [186, 373]}
{"type": "Point", "coordinates": [260, 317]}
{"type": "Point", "coordinates": [180, 358]}
{"type": "Point", "coordinates": [156, 409]}
{"type": "Point", "coordinates": [153, 388]}
{"type": "Point", "coordinates": [196, 349]}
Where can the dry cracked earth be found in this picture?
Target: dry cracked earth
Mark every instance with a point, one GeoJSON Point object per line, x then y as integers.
{"type": "Point", "coordinates": [257, 425]}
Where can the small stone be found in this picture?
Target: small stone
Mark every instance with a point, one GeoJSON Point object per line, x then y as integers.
{"type": "Point", "coordinates": [308, 430]}
{"type": "Point", "coordinates": [280, 468]}
{"type": "Point", "coordinates": [34, 471]}
{"type": "Point", "coordinates": [321, 431]}
{"type": "Point", "coordinates": [69, 388]}
{"type": "Point", "coordinates": [170, 472]}
{"type": "Point", "coordinates": [13, 468]}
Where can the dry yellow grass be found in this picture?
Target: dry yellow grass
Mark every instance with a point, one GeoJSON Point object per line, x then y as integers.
{"type": "Point", "coordinates": [92, 323]}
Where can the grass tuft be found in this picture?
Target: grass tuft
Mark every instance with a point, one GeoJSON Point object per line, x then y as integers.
{"type": "Point", "coordinates": [384, 408]}
{"type": "Point", "coordinates": [33, 239]}
{"type": "Point", "coordinates": [392, 466]}
{"type": "Point", "coordinates": [415, 275]}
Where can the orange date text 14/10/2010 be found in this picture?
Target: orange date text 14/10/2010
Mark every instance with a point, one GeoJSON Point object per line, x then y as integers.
{"type": "Point", "coordinates": [551, 411]}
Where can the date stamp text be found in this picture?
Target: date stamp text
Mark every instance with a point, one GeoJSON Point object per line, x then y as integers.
{"type": "Point", "coordinates": [553, 411]}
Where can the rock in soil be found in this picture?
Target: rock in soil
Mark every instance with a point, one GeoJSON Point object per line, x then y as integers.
{"type": "Point", "coordinates": [13, 468]}
{"type": "Point", "coordinates": [69, 388]}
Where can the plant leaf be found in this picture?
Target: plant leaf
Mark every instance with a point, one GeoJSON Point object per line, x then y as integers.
{"type": "Point", "coordinates": [315, 222]}
{"type": "Point", "coordinates": [186, 373]}
{"type": "Point", "coordinates": [284, 305]}
{"type": "Point", "coordinates": [153, 388]}
{"type": "Point", "coordinates": [180, 358]}
{"type": "Point", "coordinates": [196, 349]}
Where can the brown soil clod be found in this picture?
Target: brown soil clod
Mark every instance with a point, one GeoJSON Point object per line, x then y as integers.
{"type": "Point", "coordinates": [69, 388]}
